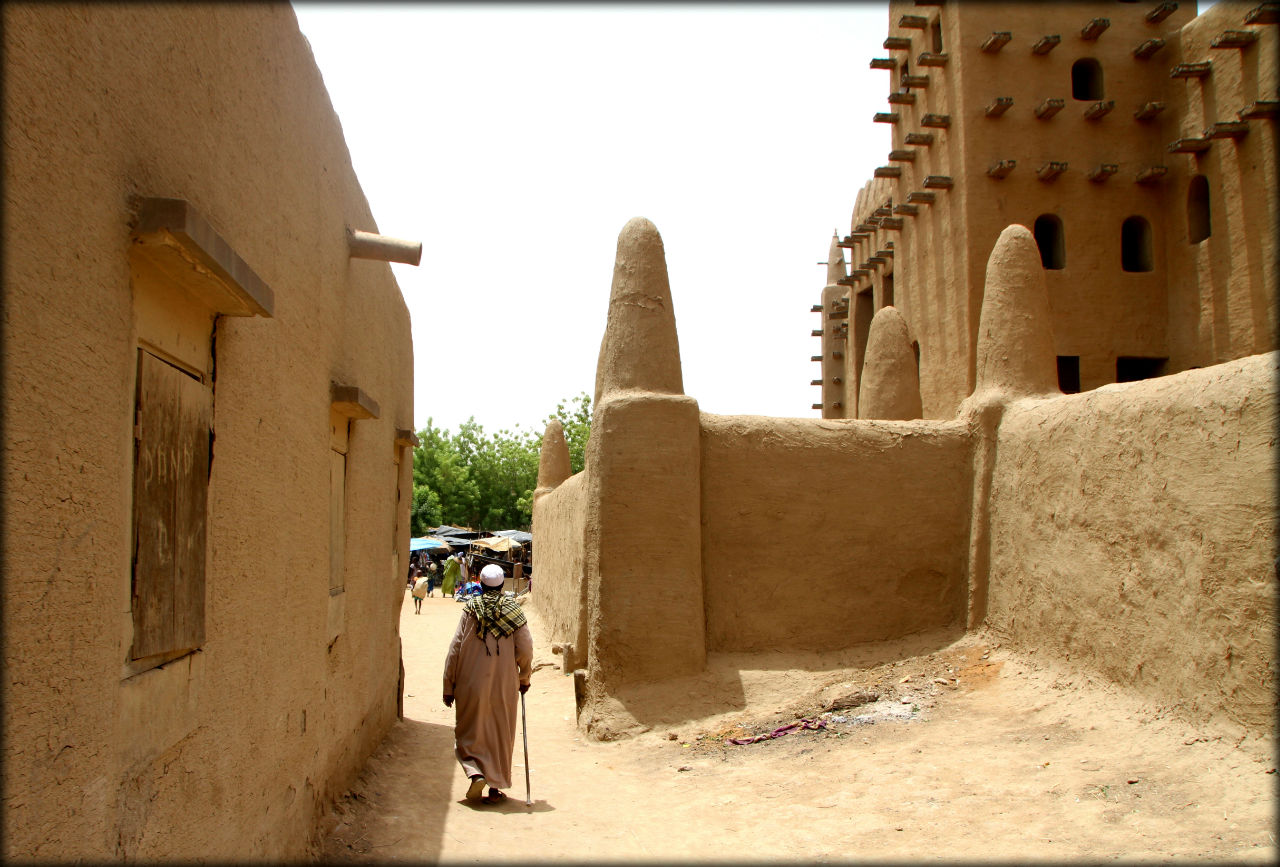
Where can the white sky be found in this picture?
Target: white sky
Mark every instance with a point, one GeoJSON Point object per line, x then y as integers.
{"type": "Point", "coordinates": [516, 141]}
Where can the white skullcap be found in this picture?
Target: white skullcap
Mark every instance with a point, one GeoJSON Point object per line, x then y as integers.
{"type": "Point", "coordinates": [491, 575]}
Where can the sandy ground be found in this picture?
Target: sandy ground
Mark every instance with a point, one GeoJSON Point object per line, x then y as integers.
{"type": "Point", "coordinates": [932, 749]}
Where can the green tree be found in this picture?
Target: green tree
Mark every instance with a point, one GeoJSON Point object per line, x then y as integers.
{"type": "Point", "coordinates": [576, 420]}
{"type": "Point", "coordinates": [471, 479]}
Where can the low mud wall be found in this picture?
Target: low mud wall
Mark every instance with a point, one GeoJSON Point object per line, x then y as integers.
{"type": "Point", "coordinates": [1133, 528]}
{"type": "Point", "coordinates": [559, 563]}
{"type": "Point", "coordinates": [823, 534]}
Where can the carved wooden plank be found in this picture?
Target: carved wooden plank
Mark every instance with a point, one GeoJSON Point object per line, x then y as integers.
{"type": "Point", "coordinates": [171, 485]}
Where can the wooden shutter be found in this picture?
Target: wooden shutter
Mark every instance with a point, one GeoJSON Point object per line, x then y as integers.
{"type": "Point", "coordinates": [170, 495]}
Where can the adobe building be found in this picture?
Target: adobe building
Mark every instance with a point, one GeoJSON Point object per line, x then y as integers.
{"type": "Point", "coordinates": [1135, 140]}
{"type": "Point", "coordinates": [1045, 205]}
{"type": "Point", "coordinates": [207, 403]}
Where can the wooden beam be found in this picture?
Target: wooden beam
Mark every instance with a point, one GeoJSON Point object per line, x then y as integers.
{"type": "Point", "coordinates": [1049, 108]}
{"type": "Point", "coordinates": [1148, 111]}
{"type": "Point", "coordinates": [1094, 28]}
{"type": "Point", "coordinates": [1161, 12]}
{"type": "Point", "coordinates": [1101, 172]}
{"type": "Point", "coordinates": [999, 106]}
{"type": "Point", "coordinates": [997, 40]}
{"type": "Point", "coordinates": [1001, 169]}
{"type": "Point", "coordinates": [1099, 109]}
{"type": "Point", "coordinates": [1045, 44]}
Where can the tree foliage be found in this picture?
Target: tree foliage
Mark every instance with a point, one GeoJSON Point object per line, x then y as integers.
{"type": "Point", "coordinates": [470, 479]}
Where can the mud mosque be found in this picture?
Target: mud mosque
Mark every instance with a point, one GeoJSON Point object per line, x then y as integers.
{"type": "Point", "coordinates": [1054, 415]}
{"type": "Point", "coordinates": [1048, 386]}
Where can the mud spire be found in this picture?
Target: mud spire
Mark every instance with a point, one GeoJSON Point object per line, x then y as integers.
{"type": "Point", "coordinates": [1015, 353]}
{"type": "Point", "coordinates": [890, 387]}
{"type": "Point", "coordinates": [553, 459]}
{"type": "Point", "coordinates": [835, 260]}
{"type": "Point", "coordinates": [639, 351]}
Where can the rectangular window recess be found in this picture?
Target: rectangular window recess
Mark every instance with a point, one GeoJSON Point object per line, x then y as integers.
{"type": "Point", "coordinates": [1069, 374]}
{"type": "Point", "coordinates": [351, 401]}
{"type": "Point", "coordinates": [177, 240]}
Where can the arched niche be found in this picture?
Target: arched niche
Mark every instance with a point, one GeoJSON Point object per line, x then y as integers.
{"type": "Point", "coordinates": [1135, 244]}
{"type": "Point", "coordinates": [1086, 79]}
{"type": "Point", "coordinates": [1051, 241]}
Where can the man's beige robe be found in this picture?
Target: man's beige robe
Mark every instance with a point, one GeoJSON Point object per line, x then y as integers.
{"type": "Point", "coordinates": [486, 692]}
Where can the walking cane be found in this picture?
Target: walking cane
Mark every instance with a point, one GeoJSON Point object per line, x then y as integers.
{"type": "Point", "coordinates": [524, 729]}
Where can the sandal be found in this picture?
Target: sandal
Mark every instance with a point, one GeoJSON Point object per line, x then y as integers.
{"type": "Point", "coordinates": [495, 797]}
{"type": "Point", "coordinates": [476, 789]}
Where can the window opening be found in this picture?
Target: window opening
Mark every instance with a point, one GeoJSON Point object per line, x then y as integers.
{"type": "Point", "coordinates": [935, 30]}
{"type": "Point", "coordinates": [1135, 244]}
{"type": "Point", "coordinates": [863, 310]}
{"type": "Point", "coordinates": [1132, 368]}
{"type": "Point", "coordinates": [173, 430]}
{"type": "Point", "coordinates": [1198, 223]}
{"type": "Point", "coordinates": [1049, 238]}
{"type": "Point", "coordinates": [886, 291]}
{"type": "Point", "coordinates": [1086, 79]}
{"type": "Point", "coordinates": [1069, 374]}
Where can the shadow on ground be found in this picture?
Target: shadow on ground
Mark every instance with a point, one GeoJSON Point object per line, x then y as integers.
{"type": "Point", "coordinates": [720, 688]}
{"type": "Point", "coordinates": [414, 770]}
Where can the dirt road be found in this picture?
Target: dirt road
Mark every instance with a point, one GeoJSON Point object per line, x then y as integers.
{"type": "Point", "coordinates": [959, 751]}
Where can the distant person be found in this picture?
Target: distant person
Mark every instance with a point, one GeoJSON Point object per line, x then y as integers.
{"type": "Point", "coordinates": [489, 663]}
{"type": "Point", "coordinates": [452, 571]}
{"type": "Point", "coordinates": [432, 577]}
{"type": "Point", "coordinates": [419, 591]}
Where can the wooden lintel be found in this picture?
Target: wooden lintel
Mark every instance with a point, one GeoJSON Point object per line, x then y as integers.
{"type": "Point", "coordinates": [1189, 146]}
{"type": "Point", "coordinates": [1235, 39]}
{"type": "Point", "coordinates": [407, 438]}
{"type": "Point", "coordinates": [351, 401]}
{"type": "Point", "coordinates": [175, 238]}
{"type": "Point", "coordinates": [1192, 70]}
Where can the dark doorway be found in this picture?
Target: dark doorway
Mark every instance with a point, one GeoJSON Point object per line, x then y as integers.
{"type": "Point", "coordinates": [1050, 240]}
{"type": "Point", "coordinates": [1131, 368]}
{"type": "Point", "coordinates": [1086, 79]}
{"type": "Point", "coordinates": [1135, 244]}
{"type": "Point", "coordinates": [1198, 223]}
{"type": "Point", "coordinates": [1069, 374]}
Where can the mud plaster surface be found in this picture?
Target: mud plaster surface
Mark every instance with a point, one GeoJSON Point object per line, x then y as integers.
{"type": "Point", "coordinates": [1017, 760]}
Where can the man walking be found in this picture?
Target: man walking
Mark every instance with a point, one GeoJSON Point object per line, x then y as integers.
{"type": "Point", "coordinates": [488, 667]}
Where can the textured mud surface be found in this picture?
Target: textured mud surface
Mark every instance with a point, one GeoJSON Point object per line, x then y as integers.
{"type": "Point", "coordinates": [967, 751]}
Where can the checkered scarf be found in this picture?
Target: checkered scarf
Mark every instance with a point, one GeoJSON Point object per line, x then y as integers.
{"type": "Point", "coordinates": [495, 615]}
